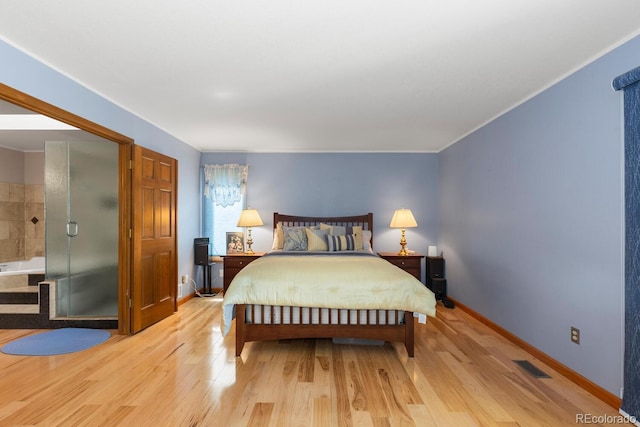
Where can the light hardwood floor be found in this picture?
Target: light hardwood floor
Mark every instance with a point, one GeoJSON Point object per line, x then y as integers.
{"type": "Point", "coordinates": [182, 372]}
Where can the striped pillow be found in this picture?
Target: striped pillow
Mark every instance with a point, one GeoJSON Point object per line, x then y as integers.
{"type": "Point", "coordinates": [341, 243]}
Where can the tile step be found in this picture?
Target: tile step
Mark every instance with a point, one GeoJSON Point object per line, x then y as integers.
{"type": "Point", "coordinates": [18, 298]}
{"type": "Point", "coordinates": [19, 308]}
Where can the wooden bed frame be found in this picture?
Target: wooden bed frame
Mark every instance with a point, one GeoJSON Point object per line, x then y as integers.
{"type": "Point", "coordinates": [269, 330]}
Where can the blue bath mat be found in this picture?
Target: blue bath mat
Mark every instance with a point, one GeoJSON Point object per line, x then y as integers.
{"type": "Point", "coordinates": [57, 341]}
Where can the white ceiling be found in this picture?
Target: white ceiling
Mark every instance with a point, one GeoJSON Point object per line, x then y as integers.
{"type": "Point", "coordinates": [331, 75]}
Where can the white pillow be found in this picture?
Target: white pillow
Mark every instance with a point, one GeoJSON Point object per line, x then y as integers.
{"type": "Point", "coordinates": [366, 240]}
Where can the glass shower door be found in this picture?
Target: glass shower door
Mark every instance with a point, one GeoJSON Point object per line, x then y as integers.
{"type": "Point", "coordinates": [81, 205]}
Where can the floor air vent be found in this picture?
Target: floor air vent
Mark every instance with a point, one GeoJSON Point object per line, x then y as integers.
{"type": "Point", "coordinates": [531, 369]}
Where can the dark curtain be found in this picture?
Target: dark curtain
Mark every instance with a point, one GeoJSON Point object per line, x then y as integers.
{"type": "Point", "coordinates": [629, 82]}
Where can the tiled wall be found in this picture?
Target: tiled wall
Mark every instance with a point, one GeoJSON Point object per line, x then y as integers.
{"type": "Point", "coordinates": [21, 221]}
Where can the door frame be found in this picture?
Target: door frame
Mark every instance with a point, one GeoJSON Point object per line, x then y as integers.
{"type": "Point", "coordinates": [36, 105]}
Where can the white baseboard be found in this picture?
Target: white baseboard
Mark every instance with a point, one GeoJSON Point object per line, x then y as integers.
{"type": "Point", "coordinates": [630, 418]}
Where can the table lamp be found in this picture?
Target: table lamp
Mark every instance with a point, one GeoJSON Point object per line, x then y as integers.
{"type": "Point", "coordinates": [403, 219]}
{"type": "Point", "coordinates": [249, 218]}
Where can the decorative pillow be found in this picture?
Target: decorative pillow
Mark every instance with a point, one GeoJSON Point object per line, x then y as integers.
{"type": "Point", "coordinates": [366, 240]}
{"type": "Point", "coordinates": [334, 230]}
{"type": "Point", "coordinates": [338, 230]}
{"type": "Point", "coordinates": [278, 237]}
{"type": "Point", "coordinates": [341, 243]}
{"type": "Point", "coordinates": [295, 239]}
{"type": "Point", "coordinates": [356, 230]}
{"type": "Point", "coordinates": [316, 239]}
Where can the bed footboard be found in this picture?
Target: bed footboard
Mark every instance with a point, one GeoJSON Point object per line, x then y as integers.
{"type": "Point", "coordinates": [265, 323]}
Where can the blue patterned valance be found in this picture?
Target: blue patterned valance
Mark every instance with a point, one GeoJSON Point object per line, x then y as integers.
{"type": "Point", "coordinates": [626, 79]}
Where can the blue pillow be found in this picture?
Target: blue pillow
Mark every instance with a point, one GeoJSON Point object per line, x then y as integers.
{"type": "Point", "coordinates": [295, 239]}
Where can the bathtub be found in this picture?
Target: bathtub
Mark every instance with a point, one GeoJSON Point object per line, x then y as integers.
{"type": "Point", "coordinates": [35, 265]}
{"type": "Point", "coordinates": [16, 274]}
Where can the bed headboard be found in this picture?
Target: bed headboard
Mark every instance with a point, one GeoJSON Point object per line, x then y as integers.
{"type": "Point", "coordinates": [365, 221]}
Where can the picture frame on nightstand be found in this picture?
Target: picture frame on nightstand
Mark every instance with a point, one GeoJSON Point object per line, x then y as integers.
{"type": "Point", "coordinates": [235, 242]}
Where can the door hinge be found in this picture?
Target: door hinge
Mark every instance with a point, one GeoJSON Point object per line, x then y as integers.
{"type": "Point", "coordinates": [130, 302]}
{"type": "Point", "coordinates": [130, 233]}
{"type": "Point", "coordinates": [131, 164]}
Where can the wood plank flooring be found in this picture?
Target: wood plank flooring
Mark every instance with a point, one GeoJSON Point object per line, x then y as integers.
{"type": "Point", "coordinates": [182, 372]}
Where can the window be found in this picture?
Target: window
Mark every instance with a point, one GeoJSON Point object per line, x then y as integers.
{"type": "Point", "coordinates": [224, 197]}
{"type": "Point", "coordinates": [217, 220]}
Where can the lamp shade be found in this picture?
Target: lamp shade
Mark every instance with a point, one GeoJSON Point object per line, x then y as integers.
{"type": "Point", "coordinates": [249, 218]}
{"type": "Point", "coordinates": [403, 218]}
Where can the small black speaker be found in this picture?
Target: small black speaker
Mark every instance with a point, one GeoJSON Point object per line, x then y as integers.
{"type": "Point", "coordinates": [439, 288]}
{"type": "Point", "coordinates": [435, 267]}
{"type": "Point", "coordinates": [201, 251]}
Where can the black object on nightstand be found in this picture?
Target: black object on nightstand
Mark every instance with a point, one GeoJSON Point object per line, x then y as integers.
{"type": "Point", "coordinates": [436, 281]}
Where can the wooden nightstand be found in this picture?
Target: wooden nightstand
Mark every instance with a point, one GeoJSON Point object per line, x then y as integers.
{"type": "Point", "coordinates": [233, 264]}
{"type": "Point", "coordinates": [412, 264]}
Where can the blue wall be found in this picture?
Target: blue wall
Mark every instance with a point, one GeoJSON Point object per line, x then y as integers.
{"type": "Point", "coordinates": [343, 184]}
{"type": "Point", "coordinates": [25, 74]}
{"type": "Point", "coordinates": [531, 219]}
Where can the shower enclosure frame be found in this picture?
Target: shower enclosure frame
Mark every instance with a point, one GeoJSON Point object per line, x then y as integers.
{"type": "Point", "coordinates": [81, 206]}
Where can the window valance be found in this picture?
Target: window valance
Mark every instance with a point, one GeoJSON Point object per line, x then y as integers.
{"type": "Point", "coordinates": [225, 184]}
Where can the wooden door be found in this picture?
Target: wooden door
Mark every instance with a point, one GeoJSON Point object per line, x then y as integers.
{"type": "Point", "coordinates": [154, 267]}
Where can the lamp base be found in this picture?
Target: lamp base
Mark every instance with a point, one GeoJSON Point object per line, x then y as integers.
{"type": "Point", "coordinates": [403, 243]}
{"type": "Point", "coordinates": [249, 251]}
{"type": "Point", "coordinates": [403, 252]}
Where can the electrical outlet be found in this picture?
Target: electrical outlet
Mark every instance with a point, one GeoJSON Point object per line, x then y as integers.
{"type": "Point", "coordinates": [179, 290]}
{"type": "Point", "coordinates": [185, 278]}
{"type": "Point", "coordinates": [575, 335]}
{"type": "Point", "coordinates": [221, 273]}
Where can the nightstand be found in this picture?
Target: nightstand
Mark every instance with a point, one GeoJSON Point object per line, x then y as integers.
{"type": "Point", "coordinates": [233, 264]}
{"type": "Point", "coordinates": [412, 264]}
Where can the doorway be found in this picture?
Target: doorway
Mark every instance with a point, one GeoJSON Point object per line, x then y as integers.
{"type": "Point", "coordinates": [124, 148]}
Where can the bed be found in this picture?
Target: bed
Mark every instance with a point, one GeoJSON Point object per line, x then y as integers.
{"type": "Point", "coordinates": [339, 291]}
